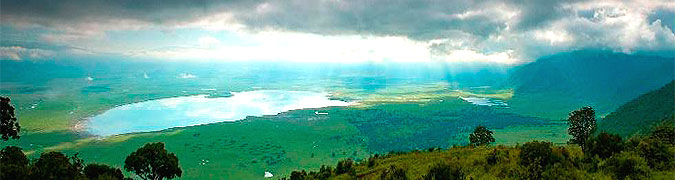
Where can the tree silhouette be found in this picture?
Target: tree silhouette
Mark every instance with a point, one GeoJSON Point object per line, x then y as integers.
{"type": "Point", "coordinates": [9, 126]}
{"type": "Point", "coordinates": [481, 136]}
{"type": "Point", "coordinates": [13, 163]}
{"type": "Point", "coordinates": [101, 171]}
{"type": "Point", "coordinates": [153, 162]}
{"type": "Point", "coordinates": [56, 165]}
{"type": "Point", "coordinates": [582, 125]}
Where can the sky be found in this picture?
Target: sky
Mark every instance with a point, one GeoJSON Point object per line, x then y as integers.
{"type": "Point", "coordinates": [502, 32]}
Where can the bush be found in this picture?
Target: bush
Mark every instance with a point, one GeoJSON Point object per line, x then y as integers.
{"type": "Point", "coordinates": [298, 175]}
{"type": "Point", "coordinates": [560, 171]}
{"type": "Point", "coordinates": [324, 173]}
{"type": "Point", "coordinates": [664, 132]}
{"type": "Point", "coordinates": [627, 165]}
{"type": "Point", "coordinates": [99, 171]}
{"type": "Point", "coordinates": [372, 161]}
{"type": "Point", "coordinates": [345, 166]}
{"type": "Point", "coordinates": [535, 156]}
{"type": "Point", "coordinates": [657, 153]}
{"type": "Point", "coordinates": [604, 145]}
{"type": "Point", "coordinates": [497, 156]}
{"type": "Point", "coordinates": [444, 171]}
{"type": "Point", "coordinates": [535, 152]}
{"type": "Point", "coordinates": [394, 173]}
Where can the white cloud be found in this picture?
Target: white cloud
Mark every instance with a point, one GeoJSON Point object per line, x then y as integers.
{"type": "Point", "coordinates": [345, 31]}
{"type": "Point", "coordinates": [466, 55]}
{"type": "Point", "coordinates": [302, 47]}
{"type": "Point", "coordinates": [208, 41]}
{"type": "Point", "coordinates": [20, 53]}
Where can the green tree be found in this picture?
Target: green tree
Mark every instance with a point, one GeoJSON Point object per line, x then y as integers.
{"type": "Point", "coordinates": [101, 171]}
{"type": "Point", "coordinates": [604, 145]}
{"type": "Point", "coordinates": [153, 162]}
{"type": "Point", "coordinates": [56, 165]}
{"type": "Point", "coordinates": [13, 163]}
{"type": "Point", "coordinates": [9, 125]}
{"type": "Point", "coordinates": [582, 125]}
{"type": "Point", "coordinates": [481, 136]}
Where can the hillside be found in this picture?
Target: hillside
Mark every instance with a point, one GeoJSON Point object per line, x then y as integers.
{"type": "Point", "coordinates": [602, 79]}
{"type": "Point", "coordinates": [642, 112]}
{"type": "Point", "coordinates": [607, 156]}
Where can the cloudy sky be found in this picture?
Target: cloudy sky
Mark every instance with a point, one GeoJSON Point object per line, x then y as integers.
{"type": "Point", "coordinates": [511, 32]}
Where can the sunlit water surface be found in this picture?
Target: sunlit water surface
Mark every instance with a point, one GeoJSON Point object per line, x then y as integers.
{"type": "Point", "coordinates": [166, 113]}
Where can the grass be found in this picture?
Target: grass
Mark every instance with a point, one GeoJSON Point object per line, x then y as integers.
{"type": "Point", "coordinates": [402, 117]}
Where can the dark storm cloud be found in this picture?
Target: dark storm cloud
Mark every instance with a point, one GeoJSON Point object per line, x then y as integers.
{"type": "Point", "coordinates": [418, 20]}
{"type": "Point", "coordinates": [529, 28]}
{"type": "Point", "coordinates": [415, 19]}
{"type": "Point", "coordinates": [56, 13]}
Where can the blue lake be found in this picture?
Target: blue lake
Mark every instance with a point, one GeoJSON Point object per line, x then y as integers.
{"type": "Point", "coordinates": [184, 111]}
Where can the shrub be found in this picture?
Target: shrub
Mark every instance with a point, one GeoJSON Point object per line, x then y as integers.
{"type": "Point", "coordinates": [657, 153]}
{"type": "Point", "coordinates": [496, 156]}
{"type": "Point", "coordinates": [345, 166]}
{"type": "Point", "coordinates": [604, 145]}
{"type": "Point", "coordinates": [298, 175]}
{"type": "Point", "coordinates": [535, 152]}
{"type": "Point", "coordinates": [394, 173]}
{"type": "Point", "coordinates": [627, 165]}
{"type": "Point", "coordinates": [324, 173]}
{"type": "Point", "coordinates": [99, 171]}
{"type": "Point", "coordinates": [444, 171]}
{"type": "Point", "coordinates": [664, 132]}
{"type": "Point", "coordinates": [560, 171]}
{"type": "Point", "coordinates": [371, 161]}
{"type": "Point", "coordinates": [535, 156]}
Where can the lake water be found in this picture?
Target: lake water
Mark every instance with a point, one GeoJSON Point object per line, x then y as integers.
{"type": "Point", "coordinates": [480, 101]}
{"type": "Point", "coordinates": [166, 113]}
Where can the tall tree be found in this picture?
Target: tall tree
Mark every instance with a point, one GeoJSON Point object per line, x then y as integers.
{"type": "Point", "coordinates": [581, 125]}
{"type": "Point", "coordinates": [9, 126]}
{"type": "Point", "coordinates": [481, 136]}
{"type": "Point", "coordinates": [153, 162]}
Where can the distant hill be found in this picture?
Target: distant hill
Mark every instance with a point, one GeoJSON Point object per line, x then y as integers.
{"type": "Point", "coordinates": [641, 113]}
{"type": "Point", "coordinates": [603, 79]}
